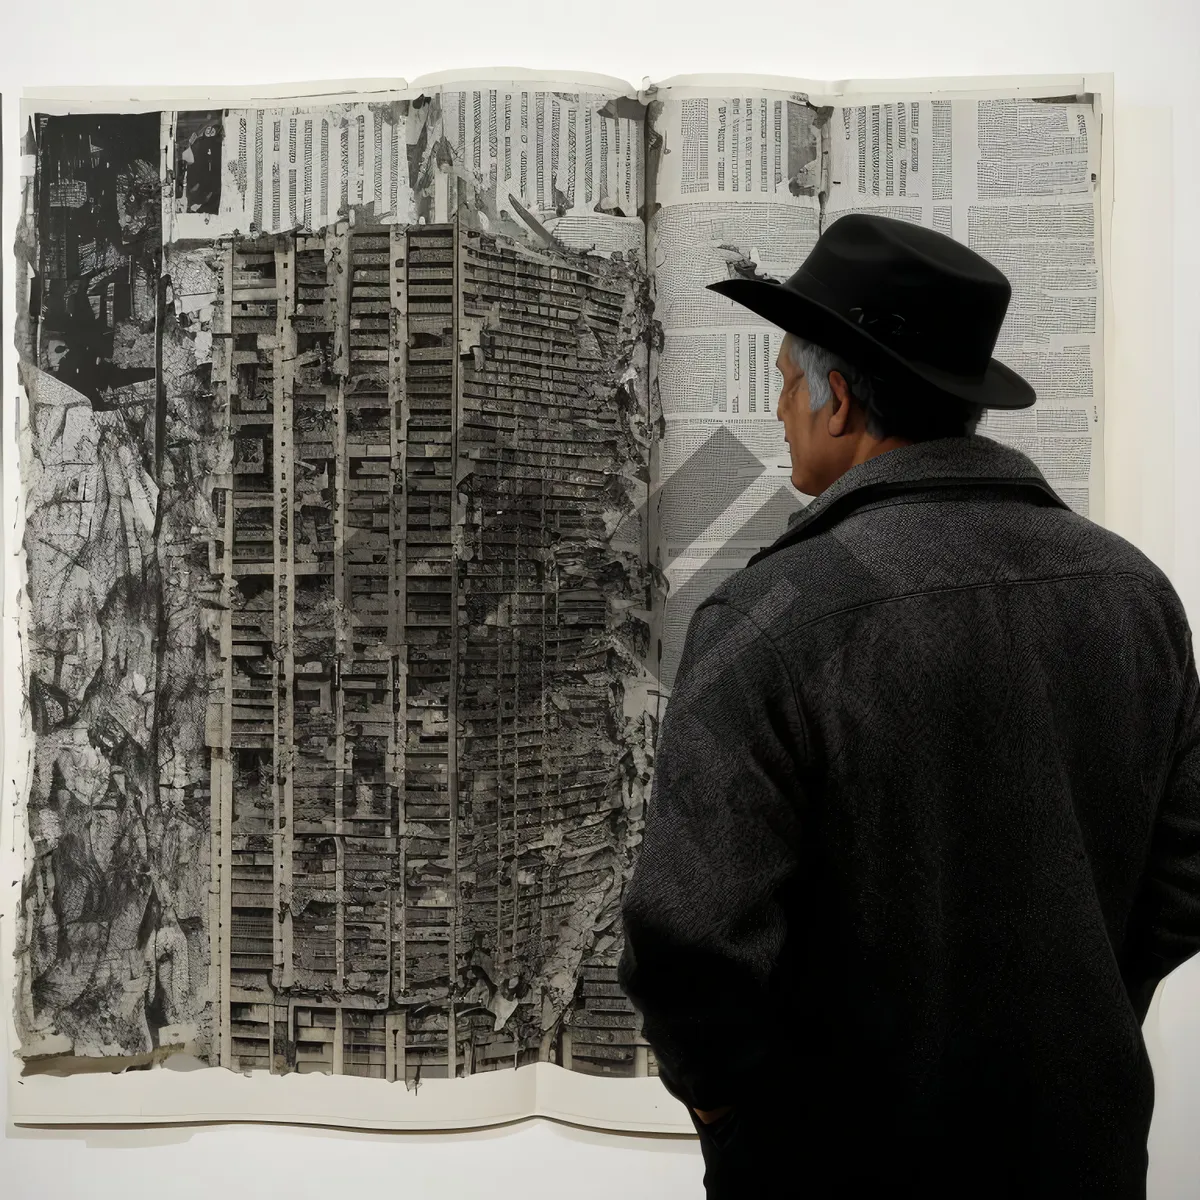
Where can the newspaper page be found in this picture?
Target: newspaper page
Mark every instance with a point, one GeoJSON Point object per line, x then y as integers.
{"type": "Point", "coordinates": [737, 180]}
{"type": "Point", "coordinates": [569, 154]}
{"type": "Point", "coordinates": [750, 170]}
{"type": "Point", "coordinates": [330, 606]}
{"type": "Point", "coordinates": [1015, 178]}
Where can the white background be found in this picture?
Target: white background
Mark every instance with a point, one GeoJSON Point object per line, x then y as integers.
{"type": "Point", "coordinates": [1154, 434]}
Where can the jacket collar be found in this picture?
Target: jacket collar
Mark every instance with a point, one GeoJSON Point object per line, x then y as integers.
{"type": "Point", "coordinates": [959, 462]}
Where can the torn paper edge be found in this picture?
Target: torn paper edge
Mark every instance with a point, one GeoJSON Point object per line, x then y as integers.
{"type": "Point", "coordinates": [832, 90]}
{"type": "Point", "coordinates": [569, 80]}
{"type": "Point", "coordinates": [136, 93]}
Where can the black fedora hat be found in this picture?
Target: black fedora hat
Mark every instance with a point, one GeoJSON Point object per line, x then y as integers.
{"type": "Point", "coordinates": [903, 302]}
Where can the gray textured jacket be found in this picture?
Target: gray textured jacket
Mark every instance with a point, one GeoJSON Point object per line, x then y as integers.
{"type": "Point", "coordinates": [924, 834]}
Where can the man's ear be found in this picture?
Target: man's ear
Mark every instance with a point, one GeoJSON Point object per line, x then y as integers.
{"type": "Point", "coordinates": [839, 404]}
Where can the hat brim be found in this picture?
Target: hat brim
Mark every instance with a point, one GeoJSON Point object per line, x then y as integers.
{"type": "Point", "coordinates": [809, 318]}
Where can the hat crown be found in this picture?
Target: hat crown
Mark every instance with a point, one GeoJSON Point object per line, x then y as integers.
{"type": "Point", "coordinates": [917, 291]}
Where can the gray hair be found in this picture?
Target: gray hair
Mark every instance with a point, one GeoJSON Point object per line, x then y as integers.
{"type": "Point", "coordinates": [816, 362]}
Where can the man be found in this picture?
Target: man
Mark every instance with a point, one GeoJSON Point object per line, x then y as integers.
{"type": "Point", "coordinates": [925, 825]}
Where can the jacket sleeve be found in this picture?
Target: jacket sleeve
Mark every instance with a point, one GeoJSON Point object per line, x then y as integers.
{"type": "Point", "coordinates": [704, 918]}
{"type": "Point", "coordinates": [1164, 927]}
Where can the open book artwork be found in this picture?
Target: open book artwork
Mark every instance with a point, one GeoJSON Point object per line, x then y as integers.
{"type": "Point", "coordinates": [376, 447]}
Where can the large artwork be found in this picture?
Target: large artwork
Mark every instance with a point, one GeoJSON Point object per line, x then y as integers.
{"type": "Point", "coordinates": [375, 452]}
{"type": "Point", "coordinates": [333, 658]}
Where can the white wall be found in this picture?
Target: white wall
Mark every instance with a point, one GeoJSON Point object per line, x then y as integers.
{"type": "Point", "coordinates": [1154, 421]}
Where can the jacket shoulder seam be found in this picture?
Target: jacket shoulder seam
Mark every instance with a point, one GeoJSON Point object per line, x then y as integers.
{"type": "Point", "coordinates": [989, 583]}
{"type": "Point", "coordinates": [787, 674]}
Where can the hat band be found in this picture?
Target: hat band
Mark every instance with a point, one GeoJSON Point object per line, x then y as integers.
{"type": "Point", "coordinates": [908, 340]}
{"type": "Point", "coordinates": [894, 331]}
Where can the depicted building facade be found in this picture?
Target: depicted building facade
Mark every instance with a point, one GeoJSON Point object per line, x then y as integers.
{"type": "Point", "coordinates": [421, 775]}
